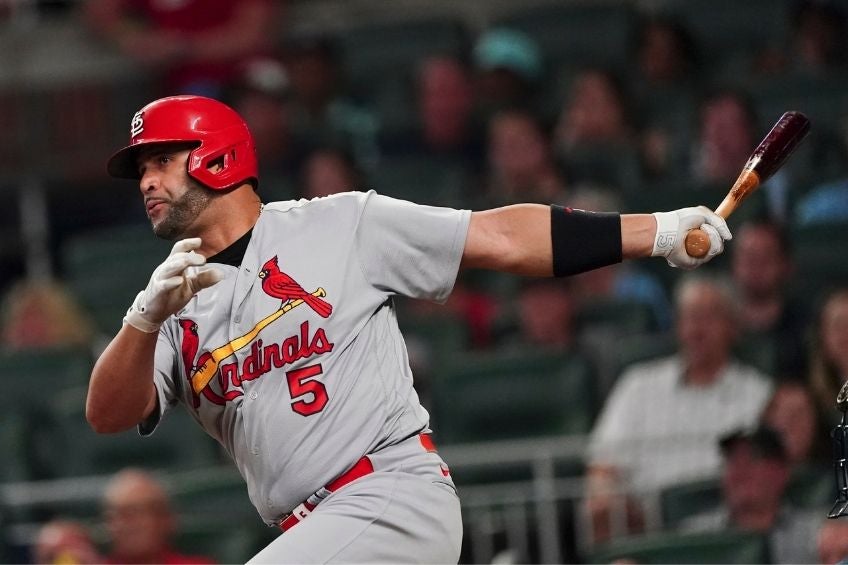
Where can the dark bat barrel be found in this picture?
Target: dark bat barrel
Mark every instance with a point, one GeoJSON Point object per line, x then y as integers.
{"type": "Point", "coordinates": [783, 138]}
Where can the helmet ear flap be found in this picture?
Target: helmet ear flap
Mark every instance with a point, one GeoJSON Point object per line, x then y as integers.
{"type": "Point", "coordinates": [220, 167]}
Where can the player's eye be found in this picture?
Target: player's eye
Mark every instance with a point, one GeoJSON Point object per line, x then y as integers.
{"type": "Point", "coordinates": [164, 159]}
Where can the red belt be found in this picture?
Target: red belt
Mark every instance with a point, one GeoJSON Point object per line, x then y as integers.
{"type": "Point", "coordinates": [360, 469]}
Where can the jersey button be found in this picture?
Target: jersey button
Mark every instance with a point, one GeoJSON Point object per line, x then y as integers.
{"type": "Point", "coordinates": [253, 395]}
{"type": "Point", "coordinates": [255, 450]}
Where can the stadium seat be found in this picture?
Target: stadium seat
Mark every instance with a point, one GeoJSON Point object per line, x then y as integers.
{"type": "Point", "coordinates": [812, 487]}
{"type": "Point", "coordinates": [623, 317]}
{"type": "Point", "coordinates": [366, 57]}
{"type": "Point", "coordinates": [484, 397]}
{"type": "Point", "coordinates": [107, 267]}
{"type": "Point", "coordinates": [222, 539]}
{"type": "Point", "coordinates": [422, 180]}
{"type": "Point", "coordinates": [681, 501]}
{"type": "Point", "coordinates": [28, 377]}
{"type": "Point", "coordinates": [722, 28]}
{"type": "Point", "coordinates": [212, 491]}
{"type": "Point", "coordinates": [178, 444]}
{"type": "Point", "coordinates": [817, 251]}
{"type": "Point", "coordinates": [717, 547]}
{"type": "Point", "coordinates": [13, 444]}
{"type": "Point", "coordinates": [577, 33]}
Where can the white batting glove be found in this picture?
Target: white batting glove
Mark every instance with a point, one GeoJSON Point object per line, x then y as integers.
{"type": "Point", "coordinates": [171, 286]}
{"type": "Point", "coordinates": [672, 228]}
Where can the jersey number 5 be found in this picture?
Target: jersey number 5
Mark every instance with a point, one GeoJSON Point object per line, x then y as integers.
{"type": "Point", "coordinates": [301, 382]}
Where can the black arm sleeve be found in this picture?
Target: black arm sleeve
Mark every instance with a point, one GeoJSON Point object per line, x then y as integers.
{"type": "Point", "coordinates": [583, 241]}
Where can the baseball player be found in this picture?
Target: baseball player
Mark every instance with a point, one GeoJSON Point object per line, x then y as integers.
{"type": "Point", "coordinates": [273, 325]}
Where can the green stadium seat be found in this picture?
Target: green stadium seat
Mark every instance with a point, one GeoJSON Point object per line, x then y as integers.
{"type": "Point", "coordinates": [422, 180]}
{"type": "Point", "coordinates": [33, 375]}
{"type": "Point", "coordinates": [681, 501]}
{"type": "Point", "coordinates": [640, 348]}
{"type": "Point", "coordinates": [621, 317]}
{"type": "Point", "coordinates": [14, 432]}
{"type": "Point", "coordinates": [386, 49]}
{"type": "Point", "coordinates": [221, 539]}
{"type": "Point", "coordinates": [818, 251]}
{"type": "Point", "coordinates": [727, 27]}
{"type": "Point", "coordinates": [214, 491]}
{"type": "Point", "coordinates": [577, 33]}
{"type": "Point", "coordinates": [486, 397]}
{"type": "Point", "coordinates": [107, 267]}
{"type": "Point", "coordinates": [178, 444]}
{"type": "Point", "coordinates": [716, 547]}
{"type": "Point", "coordinates": [812, 487]}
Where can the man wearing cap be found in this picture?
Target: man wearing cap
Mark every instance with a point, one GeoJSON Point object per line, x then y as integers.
{"type": "Point", "coordinates": [753, 483]}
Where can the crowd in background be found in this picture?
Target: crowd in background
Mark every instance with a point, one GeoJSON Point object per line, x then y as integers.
{"type": "Point", "coordinates": [735, 371]}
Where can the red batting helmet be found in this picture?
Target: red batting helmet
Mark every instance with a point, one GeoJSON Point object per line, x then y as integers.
{"type": "Point", "coordinates": [219, 132]}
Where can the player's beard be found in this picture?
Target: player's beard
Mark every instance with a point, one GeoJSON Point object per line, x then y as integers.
{"type": "Point", "coordinates": [183, 211]}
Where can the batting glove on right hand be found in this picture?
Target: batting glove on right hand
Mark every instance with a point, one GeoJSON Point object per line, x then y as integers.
{"type": "Point", "coordinates": [672, 228]}
{"type": "Point", "coordinates": [171, 286]}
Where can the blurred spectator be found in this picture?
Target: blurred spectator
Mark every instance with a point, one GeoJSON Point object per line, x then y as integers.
{"type": "Point", "coordinates": [260, 94]}
{"type": "Point", "coordinates": [816, 46]}
{"type": "Point", "coordinates": [666, 54]}
{"type": "Point", "coordinates": [596, 112]}
{"type": "Point", "coordinates": [446, 125]}
{"type": "Point", "coordinates": [329, 171]}
{"type": "Point", "coordinates": [727, 134]}
{"type": "Point", "coordinates": [509, 70]}
{"type": "Point", "coordinates": [825, 203]}
{"type": "Point", "coordinates": [756, 473]}
{"type": "Point", "coordinates": [196, 44]}
{"type": "Point", "coordinates": [660, 424]}
{"type": "Point", "coordinates": [140, 521]}
{"type": "Point", "coordinates": [819, 36]}
{"type": "Point", "coordinates": [321, 114]}
{"type": "Point", "coordinates": [829, 359]}
{"type": "Point", "coordinates": [594, 138]}
{"type": "Point", "coordinates": [832, 541]}
{"type": "Point", "coordinates": [665, 80]}
{"type": "Point", "coordinates": [42, 314]}
{"type": "Point", "coordinates": [64, 542]}
{"type": "Point", "coordinates": [544, 315]}
{"type": "Point", "coordinates": [521, 166]}
{"type": "Point", "coordinates": [792, 412]}
{"type": "Point", "coordinates": [762, 271]}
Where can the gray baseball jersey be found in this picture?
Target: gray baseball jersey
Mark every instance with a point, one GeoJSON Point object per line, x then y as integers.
{"type": "Point", "coordinates": [312, 371]}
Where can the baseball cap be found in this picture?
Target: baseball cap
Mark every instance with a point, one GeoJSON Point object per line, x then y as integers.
{"type": "Point", "coordinates": [765, 442]}
{"type": "Point", "coordinates": [503, 48]}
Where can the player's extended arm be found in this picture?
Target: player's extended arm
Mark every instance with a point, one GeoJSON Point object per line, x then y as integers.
{"type": "Point", "coordinates": [121, 392]}
{"type": "Point", "coordinates": [529, 239]}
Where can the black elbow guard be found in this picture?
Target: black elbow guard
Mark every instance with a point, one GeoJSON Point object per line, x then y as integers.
{"type": "Point", "coordinates": [583, 241]}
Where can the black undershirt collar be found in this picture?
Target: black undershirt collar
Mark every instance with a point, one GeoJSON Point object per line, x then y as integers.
{"type": "Point", "coordinates": [234, 254]}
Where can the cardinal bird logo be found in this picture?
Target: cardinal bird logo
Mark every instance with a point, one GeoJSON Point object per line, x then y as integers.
{"type": "Point", "coordinates": [279, 285]}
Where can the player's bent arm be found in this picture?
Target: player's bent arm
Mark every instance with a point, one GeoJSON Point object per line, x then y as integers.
{"type": "Point", "coordinates": [121, 392]}
{"type": "Point", "coordinates": [518, 239]}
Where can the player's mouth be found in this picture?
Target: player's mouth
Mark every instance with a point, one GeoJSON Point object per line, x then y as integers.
{"type": "Point", "coordinates": [154, 205]}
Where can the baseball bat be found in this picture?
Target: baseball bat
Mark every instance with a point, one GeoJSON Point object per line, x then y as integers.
{"type": "Point", "coordinates": [767, 158]}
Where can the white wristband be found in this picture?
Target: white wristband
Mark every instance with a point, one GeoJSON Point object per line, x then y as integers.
{"type": "Point", "coordinates": [666, 236]}
{"type": "Point", "coordinates": [136, 319]}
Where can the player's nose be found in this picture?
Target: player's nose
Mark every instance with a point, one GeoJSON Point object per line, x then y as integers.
{"type": "Point", "coordinates": [148, 182]}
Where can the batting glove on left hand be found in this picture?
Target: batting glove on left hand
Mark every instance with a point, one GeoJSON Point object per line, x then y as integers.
{"type": "Point", "coordinates": [171, 286]}
{"type": "Point", "coordinates": [672, 228]}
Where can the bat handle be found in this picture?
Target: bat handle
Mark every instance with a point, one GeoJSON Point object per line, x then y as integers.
{"type": "Point", "coordinates": [697, 241]}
